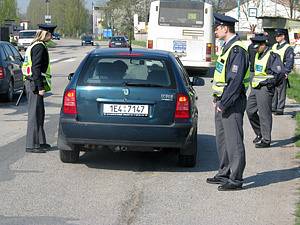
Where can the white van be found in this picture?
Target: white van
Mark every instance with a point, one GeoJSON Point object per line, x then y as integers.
{"type": "Point", "coordinates": [25, 38]}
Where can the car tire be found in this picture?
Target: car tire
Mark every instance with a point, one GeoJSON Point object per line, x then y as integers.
{"type": "Point", "coordinates": [9, 96]}
{"type": "Point", "coordinates": [70, 156]}
{"type": "Point", "coordinates": [189, 160]}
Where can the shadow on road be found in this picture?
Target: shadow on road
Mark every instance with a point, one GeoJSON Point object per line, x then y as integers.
{"type": "Point", "coordinates": [285, 142]}
{"type": "Point", "coordinates": [271, 177]}
{"type": "Point", "coordinates": [153, 161]}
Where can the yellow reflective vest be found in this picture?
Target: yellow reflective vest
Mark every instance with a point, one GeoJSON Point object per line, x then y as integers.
{"type": "Point", "coordinates": [219, 81]}
{"type": "Point", "coordinates": [27, 67]}
{"type": "Point", "coordinates": [281, 51]}
{"type": "Point", "coordinates": [260, 66]}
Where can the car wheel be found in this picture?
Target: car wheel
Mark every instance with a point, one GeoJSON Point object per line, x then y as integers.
{"type": "Point", "coordinates": [9, 96]}
{"type": "Point", "coordinates": [188, 155]}
{"type": "Point", "coordinates": [70, 156]}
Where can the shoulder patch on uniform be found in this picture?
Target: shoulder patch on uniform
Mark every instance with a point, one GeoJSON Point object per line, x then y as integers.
{"type": "Point", "coordinates": [236, 49]}
{"type": "Point", "coordinates": [234, 68]}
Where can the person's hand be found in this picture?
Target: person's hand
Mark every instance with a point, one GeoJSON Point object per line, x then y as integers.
{"type": "Point", "coordinates": [218, 109]}
{"type": "Point", "coordinates": [42, 92]}
{"type": "Point", "coordinates": [285, 76]}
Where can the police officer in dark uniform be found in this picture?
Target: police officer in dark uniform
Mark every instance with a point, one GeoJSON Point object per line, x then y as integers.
{"type": "Point", "coordinates": [231, 78]}
{"type": "Point", "coordinates": [269, 71]}
{"type": "Point", "coordinates": [286, 53]}
{"type": "Point", "coordinates": [36, 71]}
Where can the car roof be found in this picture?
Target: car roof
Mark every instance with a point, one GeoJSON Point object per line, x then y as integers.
{"type": "Point", "coordinates": [5, 42]}
{"type": "Point", "coordinates": [143, 51]}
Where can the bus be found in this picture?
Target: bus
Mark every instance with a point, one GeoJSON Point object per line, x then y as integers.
{"type": "Point", "coordinates": [184, 28]}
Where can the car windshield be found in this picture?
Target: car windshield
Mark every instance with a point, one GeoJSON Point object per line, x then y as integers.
{"type": "Point", "coordinates": [28, 34]}
{"type": "Point", "coordinates": [125, 71]}
{"type": "Point", "coordinates": [88, 38]}
{"type": "Point", "coordinates": [118, 39]}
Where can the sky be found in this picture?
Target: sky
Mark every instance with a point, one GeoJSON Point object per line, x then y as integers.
{"type": "Point", "coordinates": [22, 4]}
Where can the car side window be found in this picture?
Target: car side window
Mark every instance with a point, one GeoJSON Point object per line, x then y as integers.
{"type": "Point", "coordinates": [3, 55]}
{"type": "Point", "coordinates": [15, 52]}
{"type": "Point", "coordinates": [184, 73]}
{"type": "Point", "coordinates": [9, 52]}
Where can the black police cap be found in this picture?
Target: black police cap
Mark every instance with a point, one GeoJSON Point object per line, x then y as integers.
{"type": "Point", "coordinates": [258, 39]}
{"type": "Point", "coordinates": [280, 31]}
{"type": "Point", "coordinates": [224, 20]}
{"type": "Point", "coordinates": [47, 27]}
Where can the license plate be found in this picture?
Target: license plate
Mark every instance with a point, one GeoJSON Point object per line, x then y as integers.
{"type": "Point", "coordinates": [179, 46]}
{"type": "Point", "coordinates": [118, 43]}
{"type": "Point", "coordinates": [125, 110]}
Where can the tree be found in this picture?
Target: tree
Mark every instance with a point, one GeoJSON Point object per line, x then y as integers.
{"type": "Point", "coordinates": [8, 10]}
{"type": "Point", "coordinates": [70, 16]}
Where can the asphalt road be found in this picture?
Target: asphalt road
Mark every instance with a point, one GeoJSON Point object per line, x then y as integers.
{"type": "Point", "coordinates": [132, 188]}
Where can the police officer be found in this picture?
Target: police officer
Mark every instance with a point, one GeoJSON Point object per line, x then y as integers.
{"type": "Point", "coordinates": [269, 70]}
{"type": "Point", "coordinates": [231, 77]}
{"type": "Point", "coordinates": [286, 53]}
{"type": "Point", "coordinates": [37, 75]}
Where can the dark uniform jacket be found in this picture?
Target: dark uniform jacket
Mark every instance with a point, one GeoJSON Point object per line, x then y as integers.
{"type": "Point", "coordinates": [288, 59]}
{"type": "Point", "coordinates": [40, 61]}
{"type": "Point", "coordinates": [236, 68]}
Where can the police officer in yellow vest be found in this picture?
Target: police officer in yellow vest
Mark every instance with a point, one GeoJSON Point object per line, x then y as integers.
{"type": "Point", "coordinates": [269, 71]}
{"type": "Point", "coordinates": [37, 76]}
{"type": "Point", "coordinates": [231, 78]}
{"type": "Point", "coordinates": [286, 53]}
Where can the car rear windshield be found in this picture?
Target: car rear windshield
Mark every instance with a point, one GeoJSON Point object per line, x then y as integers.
{"type": "Point", "coordinates": [28, 34]}
{"type": "Point", "coordinates": [120, 39]}
{"type": "Point", "coordinates": [121, 71]}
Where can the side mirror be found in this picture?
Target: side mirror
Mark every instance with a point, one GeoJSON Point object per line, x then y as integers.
{"type": "Point", "coordinates": [70, 76]}
{"type": "Point", "coordinates": [197, 81]}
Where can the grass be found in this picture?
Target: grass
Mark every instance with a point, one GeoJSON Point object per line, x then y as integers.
{"type": "Point", "coordinates": [294, 93]}
{"type": "Point", "coordinates": [139, 43]}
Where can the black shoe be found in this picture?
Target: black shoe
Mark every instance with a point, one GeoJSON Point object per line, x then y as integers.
{"type": "Point", "coordinates": [216, 180]}
{"type": "Point", "coordinates": [228, 186]}
{"type": "Point", "coordinates": [278, 113]}
{"type": "Point", "coordinates": [257, 139]}
{"type": "Point", "coordinates": [35, 150]}
{"type": "Point", "coordinates": [262, 144]}
{"type": "Point", "coordinates": [45, 146]}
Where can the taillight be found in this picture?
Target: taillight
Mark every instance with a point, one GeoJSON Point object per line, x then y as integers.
{"type": "Point", "coordinates": [109, 45]}
{"type": "Point", "coordinates": [150, 43]}
{"type": "Point", "coordinates": [70, 102]}
{"type": "Point", "coordinates": [208, 52]}
{"type": "Point", "coordinates": [1, 72]}
{"type": "Point", "coordinates": [182, 107]}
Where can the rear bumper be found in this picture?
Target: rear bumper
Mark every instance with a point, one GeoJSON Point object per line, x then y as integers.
{"type": "Point", "coordinates": [3, 86]}
{"type": "Point", "coordinates": [72, 132]}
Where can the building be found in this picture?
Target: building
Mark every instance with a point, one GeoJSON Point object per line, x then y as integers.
{"type": "Point", "coordinates": [250, 13]}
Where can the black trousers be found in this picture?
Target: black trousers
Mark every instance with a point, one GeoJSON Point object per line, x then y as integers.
{"type": "Point", "coordinates": [278, 102]}
{"type": "Point", "coordinates": [36, 116]}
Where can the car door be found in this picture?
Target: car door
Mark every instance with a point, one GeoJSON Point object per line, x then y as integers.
{"type": "Point", "coordinates": [18, 61]}
{"type": "Point", "coordinates": [14, 68]}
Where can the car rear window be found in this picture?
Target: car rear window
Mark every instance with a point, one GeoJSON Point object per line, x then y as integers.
{"type": "Point", "coordinates": [120, 71]}
{"type": "Point", "coordinates": [121, 39]}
